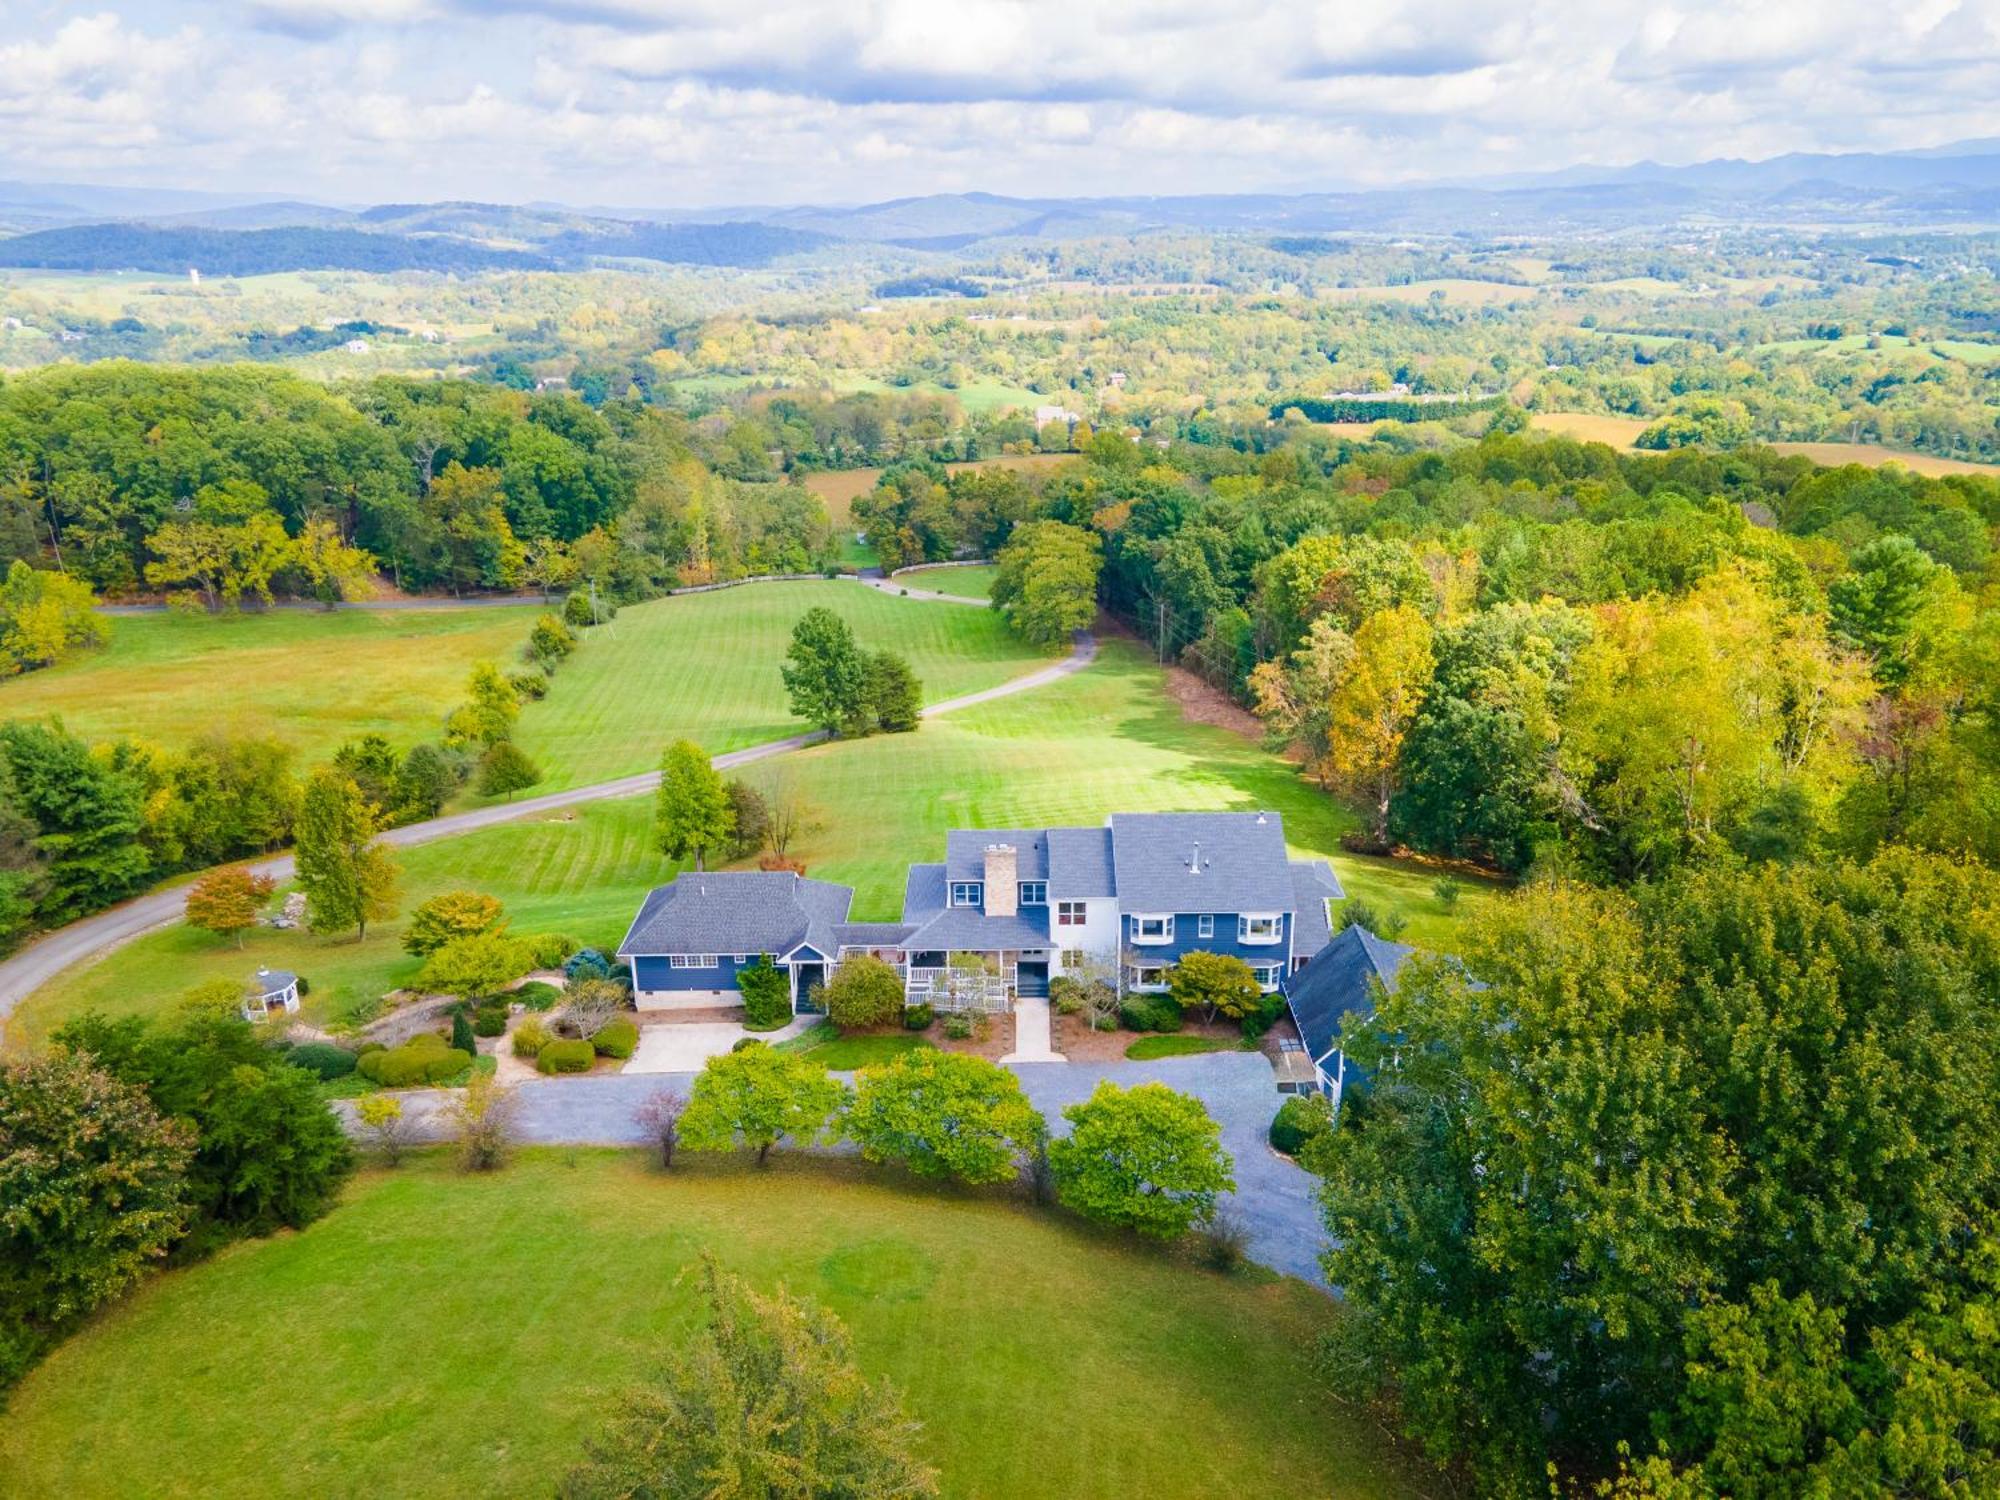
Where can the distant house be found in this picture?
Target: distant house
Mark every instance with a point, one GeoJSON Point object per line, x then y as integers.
{"type": "Point", "coordinates": [1047, 414]}
{"type": "Point", "coordinates": [356, 346]}
{"type": "Point", "coordinates": [273, 992]}
{"type": "Point", "coordinates": [1006, 911]}
{"type": "Point", "coordinates": [1347, 978]}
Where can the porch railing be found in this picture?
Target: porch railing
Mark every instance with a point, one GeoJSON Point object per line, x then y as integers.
{"type": "Point", "coordinates": [941, 989]}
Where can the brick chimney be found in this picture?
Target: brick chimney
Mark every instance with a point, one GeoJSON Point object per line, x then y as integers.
{"type": "Point", "coordinates": [1002, 880]}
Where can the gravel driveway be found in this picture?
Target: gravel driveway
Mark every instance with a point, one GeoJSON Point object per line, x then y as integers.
{"type": "Point", "coordinates": [1273, 1198]}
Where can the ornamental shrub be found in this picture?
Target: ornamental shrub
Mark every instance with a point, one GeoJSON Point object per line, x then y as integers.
{"type": "Point", "coordinates": [1300, 1119]}
{"type": "Point", "coordinates": [620, 1040]}
{"type": "Point", "coordinates": [549, 949]}
{"type": "Point", "coordinates": [918, 1017]}
{"type": "Point", "coordinates": [490, 1020]}
{"type": "Point", "coordinates": [323, 1059]}
{"type": "Point", "coordinates": [530, 1037]}
{"type": "Point", "coordinates": [566, 1055]}
{"type": "Point", "coordinates": [745, 1043]}
{"type": "Point", "coordinates": [1151, 1013]}
{"type": "Point", "coordinates": [536, 995]}
{"type": "Point", "coordinates": [422, 1059]}
{"type": "Point", "coordinates": [529, 684]}
{"type": "Point", "coordinates": [863, 992]}
{"type": "Point", "coordinates": [586, 963]}
{"type": "Point", "coordinates": [958, 1026]}
{"type": "Point", "coordinates": [767, 998]}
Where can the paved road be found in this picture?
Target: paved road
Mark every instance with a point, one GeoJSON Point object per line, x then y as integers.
{"type": "Point", "coordinates": [1273, 1197]}
{"type": "Point", "coordinates": [51, 954]}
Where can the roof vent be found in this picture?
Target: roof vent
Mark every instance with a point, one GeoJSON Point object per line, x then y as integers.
{"type": "Point", "coordinates": [1196, 864]}
{"type": "Point", "coordinates": [1262, 820]}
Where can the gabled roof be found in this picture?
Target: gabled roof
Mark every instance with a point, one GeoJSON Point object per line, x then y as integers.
{"type": "Point", "coordinates": [923, 893]}
{"type": "Point", "coordinates": [1313, 885]}
{"type": "Point", "coordinates": [965, 852]}
{"type": "Point", "coordinates": [959, 929]}
{"type": "Point", "coordinates": [1080, 864]}
{"type": "Point", "coordinates": [738, 911]}
{"type": "Point", "coordinates": [1243, 865]}
{"type": "Point", "coordinates": [1340, 982]}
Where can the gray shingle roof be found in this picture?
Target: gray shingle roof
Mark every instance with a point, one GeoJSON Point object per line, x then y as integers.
{"type": "Point", "coordinates": [738, 911]}
{"type": "Point", "coordinates": [966, 929]}
{"type": "Point", "coordinates": [1244, 866]}
{"type": "Point", "coordinates": [1313, 885]}
{"type": "Point", "coordinates": [923, 893]}
{"type": "Point", "coordinates": [1339, 982]}
{"type": "Point", "coordinates": [1080, 863]}
{"type": "Point", "coordinates": [871, 934]}
{"type": "Point", "coordinates": [273, 981]}
{"type": "Point", "coordinates": [965, 852]}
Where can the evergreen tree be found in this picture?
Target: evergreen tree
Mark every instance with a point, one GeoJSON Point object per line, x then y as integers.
{"type": "Point", "coordinates": [85, 816]}
{"type": "Point", "coordinates": [695, 815]}
{"type": "Point", "coordinates": [895, 697]}
{"type": "Point", "coordinates": [347, 877]}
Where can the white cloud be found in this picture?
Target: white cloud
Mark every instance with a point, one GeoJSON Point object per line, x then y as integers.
{"type": "Point", "coordinates": [702, 101]}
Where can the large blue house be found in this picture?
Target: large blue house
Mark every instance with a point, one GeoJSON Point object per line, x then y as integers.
{"type": "Point", "coordinates": [1006, 911]}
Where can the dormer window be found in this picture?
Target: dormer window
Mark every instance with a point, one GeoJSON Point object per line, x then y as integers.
{"type": "Point", "coordinates": [1034, 893]}
{"type": "Point", "coordinates": [1259, 927]}
{"type": "Point", "coordinates": [968, 893]}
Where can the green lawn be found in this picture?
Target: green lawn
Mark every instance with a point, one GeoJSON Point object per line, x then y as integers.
{"type": "Point", "coordinates": [824, 1044]}
{"type": "Point", "coordinates": [310, 679]}
{"type": "Point", "coordinates": [966, 583]}
{"type": "Point", "coordinates": [440, 1335]}
{"type": "Point", "coordinates": [705, 667]}
{"type": "Point", "coordinates": [1103, 741]}
{"type": "Point", "coordinates": [1148, 1048]}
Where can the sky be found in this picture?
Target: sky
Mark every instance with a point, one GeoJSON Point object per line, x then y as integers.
{"type": "Point", "coordinates": [695, 103]}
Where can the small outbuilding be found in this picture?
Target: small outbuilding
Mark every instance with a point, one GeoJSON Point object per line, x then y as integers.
{"type": "Point", "coordinates": [273, 992]}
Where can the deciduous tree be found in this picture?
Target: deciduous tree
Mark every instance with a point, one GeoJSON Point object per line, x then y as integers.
{"type": "Point", "coordinates": [824, 671]}
{"type": "Point", "coordinates": [348, 878]}
{"type": "Point", "coordinates": [758, 1097]}
{"type": "Point", "coordinates": [226, 901]}
{"type": "Point", "coordinates": [694, 816]}
{"type": "Point", "coordinates": [945, 1114]}
{"type": "Point", "coordinates": [1145, 1158]}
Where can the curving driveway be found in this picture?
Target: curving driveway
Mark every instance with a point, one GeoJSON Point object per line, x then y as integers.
{"type": "Point", "coordinates": [52, 953]}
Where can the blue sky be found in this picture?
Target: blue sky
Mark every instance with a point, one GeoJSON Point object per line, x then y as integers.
{"type": "Point", "coordinates": [702, 102]}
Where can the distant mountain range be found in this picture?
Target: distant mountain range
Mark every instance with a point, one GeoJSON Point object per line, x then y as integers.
{"type": "Point", "coordinates": [80, 227]}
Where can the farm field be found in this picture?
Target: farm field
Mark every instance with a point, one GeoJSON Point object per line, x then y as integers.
{"type": "Point", "coordinates": [839, 488]}
{"type": "Point", "coordinates": [308, 678]}
{"type": "Point", "coordinates": [962, 583]}
{"type": "Point", "coordinates": [1017, 1338]}
{"type": "Point", "coordinates": [705, 667]}
{"type": "Point", "coordinates": [1620, 432]}
{"type": "Point", "coordinates": [1106, 740]}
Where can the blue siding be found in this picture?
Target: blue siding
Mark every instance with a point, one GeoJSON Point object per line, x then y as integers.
{"type": "Point", "coordinates": [658, 974]}
{"type": "Point", "coordinates": [1187, 925]}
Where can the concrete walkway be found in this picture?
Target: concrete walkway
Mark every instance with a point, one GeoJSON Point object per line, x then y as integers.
{"type": "Point", "coordinates": [54, 952]}
{"type": "Point", "coordinates": [1033, 1042]}
{"type": "Point", "coordinates": [1273, 1198]}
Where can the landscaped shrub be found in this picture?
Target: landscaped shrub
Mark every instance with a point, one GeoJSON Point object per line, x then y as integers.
{"type": "Point", "coordinates": [767, 998]}
{"type": "Point", "coordinates": [1065, 995]}
{"type": "Point", "coordinates": [1151, 1013]}
{"type": "Point", "coordinates": [587, 963]}
{"type": "Point", "coordinates": [918, 1017]}
{"type": "Point", "coordinates": [745, 1043]}
{"type": "Point", "coordinates": [566, 1055]}
{"type": "Point", "coordinates": [536, 994]}
{"type": "Point", "coordinates": [530, 1037]}
{"type": "Point", "coordinates": [576, 610]}
{"type": "Point", "coordinates": [863, 992]}
{"type": "Point", "coordinates": [422, 1059]}
{"type": "Point", "coordinates": [323, 1059]}
{"type": "Point", "coordinates": [529, 685]}
{"type": "Point", "coordinates": [1301, 1119]}
{"type": "Point", "coordinates": [958, 1026]}
{"type": "Point", "coordinates": [549, 949]}
{"type": "Point", "coordinates": [620, 1040]}
{"type": "Point", "coordinates": [490, 1020]}
{"type": "Point", "coordinates": [367, 1047]}
{"type": "Point", "coordinates": [550, 641]}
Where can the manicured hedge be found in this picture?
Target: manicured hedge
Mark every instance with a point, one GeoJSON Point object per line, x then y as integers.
{"type": "Point", "coordinates": [620, 1040]}
{"type": "Point", "coordinates": [422, 1059]}
{"type": "Point", "coordinates": [536, 994]}
{"type": "Point", "coordinates": [918, 1017]}
{"type": "Point", "coordinates": [1300, 1118]}
{"type": "Point", "coordinates": [322, 1058]}
{"type": "Point", "coordinates": [490, 1020]}
{"type": "Point", "coordinates": [1151, 1013]}
{"type": "Point", "coordinates": [566, 1055]}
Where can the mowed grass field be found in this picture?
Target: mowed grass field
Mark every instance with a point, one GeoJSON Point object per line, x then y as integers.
{"type": "Point", "coordinates": [442, 1335]}
{"type": "Point", "coordinates": [308, 678]}
{"type": "Point", "coordinates": [1072, 752]}
{"type": "Point", "coordinates": [705, 667]}
{"type": "Point", "coordinates": [1622, 432]}
{"type": "Point", "coordinates": [963, 583]}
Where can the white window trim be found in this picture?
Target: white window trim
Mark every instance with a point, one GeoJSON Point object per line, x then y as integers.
{"type": "Point", "coordinates": [1022, 898]}
{"type": "Point", "coordinates": [1072, 914]}
{"type": "Point", "coordinates": [1269, 976]}
{"type": "Point", "coordinates": [1275, 935]}
{"type": "Point", "coordinates": [1204, 925]}
{"type": "Point", "coordinates": [1157, 939]}
{"type": "Point", "coordinates": [693, 961]}
{"type": "Point", "coordinates": [1149, 987]}
{"type": "Point", "coordinates": [976, 887]}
